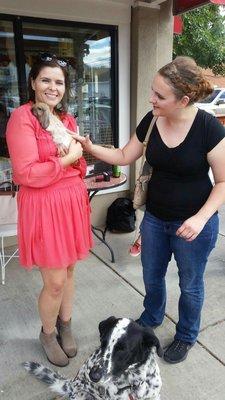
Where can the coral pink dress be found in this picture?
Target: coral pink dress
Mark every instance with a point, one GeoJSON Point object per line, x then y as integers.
{"type": "Point", "coordinates": [54, 228]}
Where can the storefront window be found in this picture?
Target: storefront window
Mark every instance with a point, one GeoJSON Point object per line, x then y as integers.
{"type": "Point", "coordinates": [87, 47]}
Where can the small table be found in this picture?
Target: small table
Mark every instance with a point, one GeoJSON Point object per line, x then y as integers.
{"type": "Point", "coordinates": [94, 187]}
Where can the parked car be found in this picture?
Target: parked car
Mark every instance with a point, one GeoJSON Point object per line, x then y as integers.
{"type": "Point", "coordinates": [214, 103]}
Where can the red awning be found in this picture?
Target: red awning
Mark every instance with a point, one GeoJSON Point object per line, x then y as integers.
{"type": "Point", "coordinates": [219, 2]}
{"type": "Point", "coordinates": [180, 6]}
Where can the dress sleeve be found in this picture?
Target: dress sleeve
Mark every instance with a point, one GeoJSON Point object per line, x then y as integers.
{"type": "Point", "coordinates": [143, 126]}
{"type": "Point", "coordinates": [215, 132]}
{"type": "Point", "coordinates": [28, 170]}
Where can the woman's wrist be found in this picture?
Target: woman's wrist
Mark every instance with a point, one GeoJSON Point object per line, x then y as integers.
{"type": "Point", "coordinates": [203, 215]}
{"type": "Point", "coordinates": [68, 159]}
{"type": "Point", "coordinates": [90, 148]}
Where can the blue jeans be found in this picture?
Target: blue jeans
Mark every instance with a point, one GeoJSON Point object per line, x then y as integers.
{"type": "Point", "coordinates": [159, 242]}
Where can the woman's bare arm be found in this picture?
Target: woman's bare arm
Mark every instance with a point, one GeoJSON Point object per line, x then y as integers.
{"type": "Point", "coordinates": [129, 153]}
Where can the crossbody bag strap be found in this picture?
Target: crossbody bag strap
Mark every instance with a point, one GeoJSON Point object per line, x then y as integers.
{"type": "Point", "coordinates": [145, 142]}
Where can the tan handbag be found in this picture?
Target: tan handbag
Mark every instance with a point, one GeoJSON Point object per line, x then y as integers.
{"type": "Point", "coordinates": [141, 186]}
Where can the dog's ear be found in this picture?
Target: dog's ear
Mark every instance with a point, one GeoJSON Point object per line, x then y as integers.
{"type": "Point", "coordinates": [151, 340]}
{"type": "Point", "coordinates": [106, 325]}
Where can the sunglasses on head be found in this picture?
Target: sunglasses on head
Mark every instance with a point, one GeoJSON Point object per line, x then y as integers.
{"type": "Point", "coordinates": [47, 57]}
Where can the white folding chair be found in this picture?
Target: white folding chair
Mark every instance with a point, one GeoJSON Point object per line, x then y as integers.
{"type": "Point", "coordinates": [8, 222]}
{"type": "Point", "coordinates": [6, 230]}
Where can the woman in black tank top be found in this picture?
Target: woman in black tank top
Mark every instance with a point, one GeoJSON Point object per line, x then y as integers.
{"type": "Point", "coordinates": [181, 210]}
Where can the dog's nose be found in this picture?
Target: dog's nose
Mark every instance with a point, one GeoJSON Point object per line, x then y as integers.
{"type": "Point", "coordinates": [96, 373]}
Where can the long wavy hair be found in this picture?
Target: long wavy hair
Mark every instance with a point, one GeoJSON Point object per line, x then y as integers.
{"type": "Point", "coordinates": [62, 107]}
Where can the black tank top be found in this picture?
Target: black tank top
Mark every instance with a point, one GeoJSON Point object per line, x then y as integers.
{"type": "Point", "coordinates": [180, 184]}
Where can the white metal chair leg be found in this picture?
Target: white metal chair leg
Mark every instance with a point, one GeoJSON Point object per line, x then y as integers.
{"type": "Point", "coordinates": [3, 257]}
{"type": "Point", "coordinates": [3, 260]}
{"type": "Point", "coordinates": [3, 274]}
{"type": "Point", "coordinates": [2, 270]}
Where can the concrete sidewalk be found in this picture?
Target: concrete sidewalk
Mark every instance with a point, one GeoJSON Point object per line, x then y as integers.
{"type": "Point", "coordinates": [104, 289]}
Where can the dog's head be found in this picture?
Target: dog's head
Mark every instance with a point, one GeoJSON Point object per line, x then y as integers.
{"type": "Point", "coordinates": [124, 345]}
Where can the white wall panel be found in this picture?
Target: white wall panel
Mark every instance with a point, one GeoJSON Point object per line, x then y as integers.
{"type": "Point", "coordinates": [97, 11]}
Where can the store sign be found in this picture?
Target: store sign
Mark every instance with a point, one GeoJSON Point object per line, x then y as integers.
{"type": "Point", "coordinates": [66, 48]}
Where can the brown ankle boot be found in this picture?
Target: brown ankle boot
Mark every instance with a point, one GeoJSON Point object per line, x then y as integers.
{"type": "Point", "coordinates": [66, 338]}
{"type": "Point", "coordinates": [52, 349]}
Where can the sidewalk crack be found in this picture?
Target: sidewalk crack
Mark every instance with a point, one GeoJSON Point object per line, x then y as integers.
{"type": "Point", "coordinates": [221, 234]}
{"type": "Point", "coordinates": [212, 325]}
{"type": "Point", "coordinates": [211, 353]}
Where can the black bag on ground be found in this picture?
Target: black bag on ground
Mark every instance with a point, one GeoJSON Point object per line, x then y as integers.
{"type": "Point", "coordinates": [121, 216]}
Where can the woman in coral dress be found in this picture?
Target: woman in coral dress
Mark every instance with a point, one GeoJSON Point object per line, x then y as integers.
{"type": "Point", "coordinates": [53, 207]}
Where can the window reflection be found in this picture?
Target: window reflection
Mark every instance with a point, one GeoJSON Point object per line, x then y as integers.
{"type": "Point", "coordinates": [96, 91]}
{"type": "Point", "coordinates": [9, 97]}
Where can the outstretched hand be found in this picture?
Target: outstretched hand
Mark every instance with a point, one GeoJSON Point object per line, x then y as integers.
{"type": "Point", "coordinates": [191, 228]}
{"type": "Point", "coordinates": [85, 141]}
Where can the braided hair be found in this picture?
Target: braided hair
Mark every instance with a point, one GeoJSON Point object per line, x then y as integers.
{"type": "Point", "coordinates": [186, 79]}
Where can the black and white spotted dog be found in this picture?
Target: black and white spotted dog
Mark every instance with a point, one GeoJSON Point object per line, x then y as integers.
{"type": "Point", "coordinates": [124, 367]}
